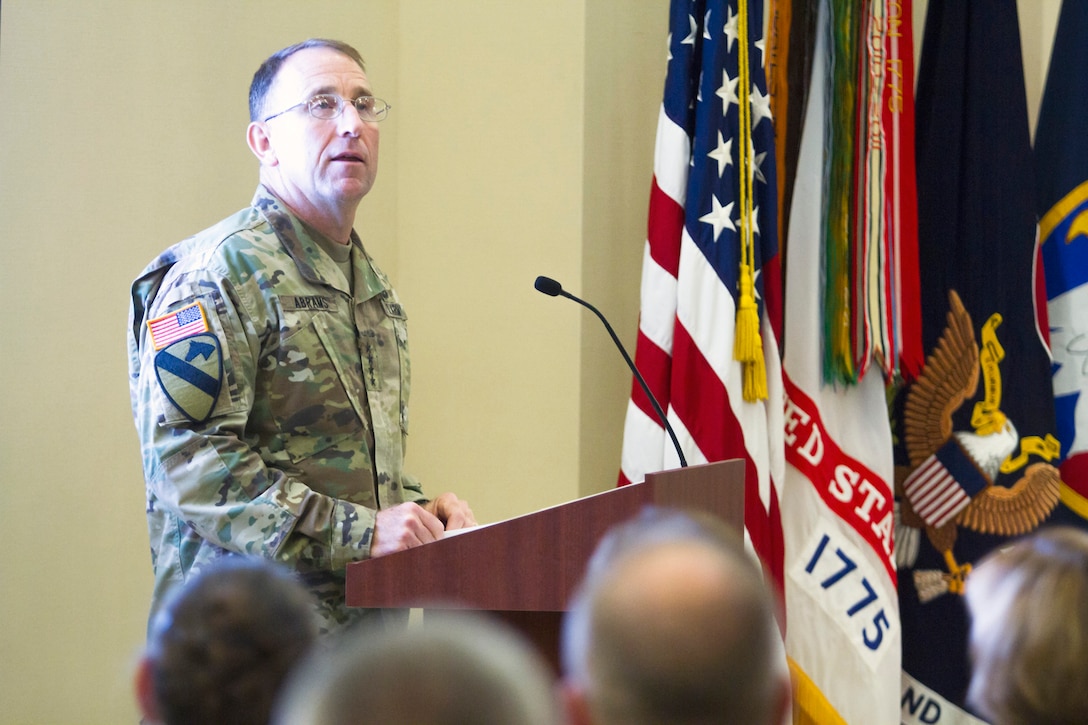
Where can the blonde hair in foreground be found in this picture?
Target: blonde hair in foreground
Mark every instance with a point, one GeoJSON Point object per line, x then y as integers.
{"type": "Point", "coordinates": [1029, 630]}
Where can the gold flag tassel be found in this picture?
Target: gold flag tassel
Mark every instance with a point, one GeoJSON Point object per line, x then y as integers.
{"type": "Point", "coordinates": [748, 345]}
{"type": "Point", "coordinates": [748, 348]}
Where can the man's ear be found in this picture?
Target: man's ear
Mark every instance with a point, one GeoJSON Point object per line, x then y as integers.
{"type": "Point", "coordinates": [574, 702]}
{"type": "Point", "coordinates": [145, 691]}
{"type": "Point", "coordinates": [260, 143]}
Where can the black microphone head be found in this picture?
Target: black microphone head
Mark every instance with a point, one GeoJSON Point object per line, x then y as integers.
{"type": "Point", "coordinates": [548, 286]}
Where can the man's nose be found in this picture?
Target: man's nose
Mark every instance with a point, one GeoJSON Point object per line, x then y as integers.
{"type": "Point", "coordinates": [349, 122]}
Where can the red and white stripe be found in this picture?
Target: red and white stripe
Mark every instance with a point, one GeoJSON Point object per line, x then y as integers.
{"type": "Point", "coordinates": [179, 324]}
{"type": "Point", "coordinates": [685, 352]}
{"type": "Point", "coordinates": [934, 493]}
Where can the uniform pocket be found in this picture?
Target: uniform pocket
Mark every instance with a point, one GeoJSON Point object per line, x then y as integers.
{"type": "Point", "coordinates": [315, 381]}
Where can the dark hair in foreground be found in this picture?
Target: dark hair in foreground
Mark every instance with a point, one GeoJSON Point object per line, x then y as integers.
{"type": "Point", "coordinates": [266, 74]}
{"type": "Point", "coordinates": [453, 669]}
{"type": "Point", "coordinates": [220, 649]}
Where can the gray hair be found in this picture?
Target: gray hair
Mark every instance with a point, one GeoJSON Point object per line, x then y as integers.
{"type": "Point", "coordinates": [453, 669]}
{"type": "Point", "coordinates": [707, 658]}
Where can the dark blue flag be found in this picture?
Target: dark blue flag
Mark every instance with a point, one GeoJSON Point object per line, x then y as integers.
{"type": "Point", "coordinates": [976, 432]}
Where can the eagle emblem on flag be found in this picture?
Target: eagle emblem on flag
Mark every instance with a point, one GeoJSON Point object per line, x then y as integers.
{"type": "Point", "coordinates": [952, 474]}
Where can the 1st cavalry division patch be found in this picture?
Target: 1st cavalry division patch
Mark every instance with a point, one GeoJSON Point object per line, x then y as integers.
{"type": "Point", "coordinates": [190, 372]}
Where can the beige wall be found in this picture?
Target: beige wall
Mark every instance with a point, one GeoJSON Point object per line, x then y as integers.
{"type": "Point", "coordinates": [520, 144]}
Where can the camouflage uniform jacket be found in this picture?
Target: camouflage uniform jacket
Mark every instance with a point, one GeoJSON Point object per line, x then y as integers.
{"type": "Point", "coordinates": [271, 403]}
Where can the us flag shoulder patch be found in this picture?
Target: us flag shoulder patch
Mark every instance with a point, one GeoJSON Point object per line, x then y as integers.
{"type": "Point", "coordinates": [177, 325]}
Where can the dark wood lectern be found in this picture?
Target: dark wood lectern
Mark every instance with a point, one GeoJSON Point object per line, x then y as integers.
{"type": "Point", "coordinates": [525, 569]}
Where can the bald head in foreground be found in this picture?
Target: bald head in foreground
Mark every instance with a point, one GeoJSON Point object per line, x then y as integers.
{"type": "Point", "coordinates": [672, 624]}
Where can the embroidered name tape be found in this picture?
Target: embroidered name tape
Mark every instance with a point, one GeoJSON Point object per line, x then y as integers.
{"type": "Point", "coordinates": [186, 322]}
{"type": "Point", "coordinates": [301, 303]}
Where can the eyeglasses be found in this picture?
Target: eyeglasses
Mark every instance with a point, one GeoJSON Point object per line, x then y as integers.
{"type": "Point", "coordinates": [330, 105]}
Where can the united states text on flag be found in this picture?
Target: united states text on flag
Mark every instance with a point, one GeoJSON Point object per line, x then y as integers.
{"type": "Point", "coordinates": [842, 631]}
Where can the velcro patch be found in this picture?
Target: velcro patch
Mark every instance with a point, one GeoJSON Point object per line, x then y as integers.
{"type": "Point", "coordinates": [190, 372]}
{"type": "Point", "coordinates": [179, 324]}
{"type": "Point", "coordinates": [392, 309]}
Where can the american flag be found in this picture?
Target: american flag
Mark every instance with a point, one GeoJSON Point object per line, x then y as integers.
{"type": "Point", "coordinates": [714, 187]}
{"type": "Point", "coordinates": [182, 323]}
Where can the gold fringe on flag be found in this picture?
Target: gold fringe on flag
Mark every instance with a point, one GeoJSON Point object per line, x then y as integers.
{"type": "Point", "coordinates": [748, 346]}
{"type": "Point", "coordinates": [748, 343]}
{"type": "Point", "coordinates": [842, 127]}
{"type": "Point", "coordinates": [810, 707]}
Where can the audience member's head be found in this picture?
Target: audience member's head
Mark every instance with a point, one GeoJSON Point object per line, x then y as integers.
{"type": "Point", "coordinates": [1029, 630]}
{"type": "Point", "coordinates": [672, 624]}
{"type": "Point", "coordinates": [453, 669]}
{"type": "Point", "coordinates": [222, 645]}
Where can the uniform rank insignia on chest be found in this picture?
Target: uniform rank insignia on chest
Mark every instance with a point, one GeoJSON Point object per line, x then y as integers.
{"type": "Point", "coordinates": [187, 321]}
{"type": "Point", "coordinates": [190, 372]}
{"type": "Point", "coordinates": [319, 303]}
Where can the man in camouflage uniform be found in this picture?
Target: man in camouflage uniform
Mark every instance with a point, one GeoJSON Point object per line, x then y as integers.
{"type": "Point", "coordinates": [268, 357]}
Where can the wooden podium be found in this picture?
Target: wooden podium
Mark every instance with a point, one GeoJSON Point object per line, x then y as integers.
{"type": "Point", "coordinates": [525, 569]}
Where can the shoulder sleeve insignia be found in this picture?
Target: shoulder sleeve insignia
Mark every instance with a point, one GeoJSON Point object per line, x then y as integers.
{"type": "Point", "coordinates": [190, 372]}
{"type": "Point", "coordinates": [179, 324]}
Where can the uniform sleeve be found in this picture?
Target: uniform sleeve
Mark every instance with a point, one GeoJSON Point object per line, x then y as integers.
{"type": "Point", "coordinates": [212, 452]}
{"type": "Point", "coordinates": [218, 485]}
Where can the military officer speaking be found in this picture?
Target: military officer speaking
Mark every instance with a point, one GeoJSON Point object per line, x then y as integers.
{"type": "Point", "coordinates": [268, 357]}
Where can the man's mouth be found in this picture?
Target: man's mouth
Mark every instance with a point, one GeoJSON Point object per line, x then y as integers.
{"type": "Point", "coordinates": [348, 157]}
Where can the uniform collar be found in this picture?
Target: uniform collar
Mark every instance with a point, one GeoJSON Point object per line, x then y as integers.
{"type": "Point", "coordinates": [313, 263]}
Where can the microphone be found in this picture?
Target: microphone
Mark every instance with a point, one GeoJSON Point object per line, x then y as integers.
{"type": "Point", "coordinates": [550, 287]}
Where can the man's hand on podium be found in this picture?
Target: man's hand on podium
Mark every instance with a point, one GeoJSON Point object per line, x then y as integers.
{"type": "Point", "coordinates": [451, 511]}
{"type": "Point", "coordinates": [409, 524]}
